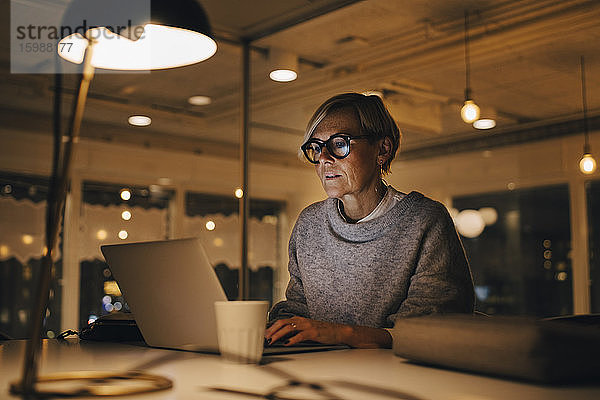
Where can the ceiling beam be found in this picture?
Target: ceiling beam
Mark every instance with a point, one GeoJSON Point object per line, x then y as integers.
{"type": "Point", "coordinates": [484, 141]}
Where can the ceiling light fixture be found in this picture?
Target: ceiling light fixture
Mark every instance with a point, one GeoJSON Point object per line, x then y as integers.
{"type": "Point", "coordinates": [284, 65]}
{"type": "Point", "coordinates": [484, 123]}
{"type": "Point", "coordinates": [587, 164]}
{"type": "Point", "coordinates": [199, 100]}
{"type": "Point", "coordinates": [469, 111]}
{"type": "Point", "coordinates": [139, 120]}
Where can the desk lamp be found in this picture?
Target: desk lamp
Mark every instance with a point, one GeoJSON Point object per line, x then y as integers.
{"type": "Point", "coordinates": [157, 34]}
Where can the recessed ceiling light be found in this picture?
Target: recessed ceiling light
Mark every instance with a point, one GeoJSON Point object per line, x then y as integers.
{"type": "Point", "coordinates": [139, 120]}
{"type": "Point", "coordinates": [199, 100]}
{"type": "Point", "coordinates": [484, 124]}
{"type": "Point", "coordinates": [283, 75]}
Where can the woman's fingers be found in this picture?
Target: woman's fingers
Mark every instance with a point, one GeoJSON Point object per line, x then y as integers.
{"type": "Point", "coordinates": [297, 329]}
{"type": "Point", "coordinates": [281, 328]}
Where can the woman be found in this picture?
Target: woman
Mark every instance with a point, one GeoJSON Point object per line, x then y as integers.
{"type": "Point", "coordinates": [368, 254]}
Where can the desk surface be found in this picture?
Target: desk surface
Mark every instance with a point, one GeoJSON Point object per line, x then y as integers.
{"type": "Point", "coordinates": [349, 374]}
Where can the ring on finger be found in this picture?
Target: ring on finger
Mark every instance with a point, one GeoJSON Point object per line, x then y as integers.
{"type": "Point", "coordinates": [293, 325]}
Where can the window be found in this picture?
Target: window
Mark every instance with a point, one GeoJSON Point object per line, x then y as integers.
{"type": "Point", "coordinates": [22, 239]}
{"type": "Point", "coordinates": [593, 209]}
{"type": "Point", "coordinates": [215, 220]}
{"type": "Point", "coordinates": [521, 260]}
{"type": "Point", "coordinates": [113, 213]}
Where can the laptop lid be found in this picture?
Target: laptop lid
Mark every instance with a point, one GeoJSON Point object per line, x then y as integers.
{"type": "Point", "coordinates": [171, 288]}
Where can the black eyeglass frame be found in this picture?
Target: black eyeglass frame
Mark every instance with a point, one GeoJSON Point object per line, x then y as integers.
{"type": "Point", "coordinates": [327, 143]}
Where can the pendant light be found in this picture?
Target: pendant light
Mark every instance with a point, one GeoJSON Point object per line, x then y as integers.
{"type": "Point", "coordinates": [469, 111]}
{"type": "Point", "coordinates": [587, 164]}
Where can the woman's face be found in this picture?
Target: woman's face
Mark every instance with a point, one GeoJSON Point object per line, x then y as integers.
{"type": "Point", "coordinates": [355, 175]}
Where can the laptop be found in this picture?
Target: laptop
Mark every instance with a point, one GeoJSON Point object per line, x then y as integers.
{"type": "Point", "coordinates": [171, 288]}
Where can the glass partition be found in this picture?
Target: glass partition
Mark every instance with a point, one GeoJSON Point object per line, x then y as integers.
{"type": "Point", "coordinates": [22, 240]}
{"type": "Point", "coordinates": [518, 244]}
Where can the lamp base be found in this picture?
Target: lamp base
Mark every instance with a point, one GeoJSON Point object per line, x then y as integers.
{"type": "Point", "coordinates": [92, 384]}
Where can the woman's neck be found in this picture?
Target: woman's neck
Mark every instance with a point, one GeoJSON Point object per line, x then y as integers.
{"type": "Point", "coordinates": [355, 208]}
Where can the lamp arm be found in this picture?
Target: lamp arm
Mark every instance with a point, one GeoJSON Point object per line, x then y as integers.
{"type": "Point", "coordinates": [57, 193]}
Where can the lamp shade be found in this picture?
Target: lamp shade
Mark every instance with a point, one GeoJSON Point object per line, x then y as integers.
{"type": "Point", "coordinates": [137, 34]}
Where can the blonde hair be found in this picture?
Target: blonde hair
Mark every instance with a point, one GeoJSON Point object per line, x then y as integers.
{"type": "Point", "coordinates": [374, 118]}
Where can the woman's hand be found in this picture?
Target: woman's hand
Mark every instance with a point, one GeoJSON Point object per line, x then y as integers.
{"type": "Point", "coordinates": [299, 329]}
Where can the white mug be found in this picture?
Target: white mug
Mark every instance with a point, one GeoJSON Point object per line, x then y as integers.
{"type": "Point", "coordinates": [241, 329]}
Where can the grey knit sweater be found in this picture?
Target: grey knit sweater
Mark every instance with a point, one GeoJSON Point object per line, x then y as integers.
{"type": "Point", "coordinates": [407, 262]}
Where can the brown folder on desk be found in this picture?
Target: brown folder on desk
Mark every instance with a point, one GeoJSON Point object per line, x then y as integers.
{"type": "Point", "coordinates": [549, 351]}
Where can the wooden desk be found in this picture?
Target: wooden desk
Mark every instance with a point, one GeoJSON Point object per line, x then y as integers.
{"type": "Point", "coordinates": [193, 374]}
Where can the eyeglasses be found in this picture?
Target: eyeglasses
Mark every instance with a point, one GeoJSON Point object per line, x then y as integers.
{"type": "Point", "coordinates": [338, 146]}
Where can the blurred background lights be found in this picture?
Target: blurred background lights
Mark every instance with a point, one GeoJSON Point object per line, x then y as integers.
{"type": "Point", "coordinates": [561, 276]}
{"type": "Point", "coordinates": [118, 306]}
{"type": "Point", "coordinates": [239, 193]}
{"type": "Point", "coordinates": [269, 219]}
{"type": "Point", "coordinates": [27, 239]}
{"type": "Point", "coordinates": [125, 194]}
{"type": "Point", "coordinates": [23, 316]}
{"type": "Point", "coordinates": [199, 100]}
{"type": "Point", "coordinates": [109, 307]}
{"type": "Point", "coordinates": [7, 189]}
{"type": "Point", "coordinates": [139, 120]}
{"type": "Point", "coordinates": [489, 215]}
{"type": "Point", "coordinates": [126, 215]}
{"type": "Point", "coordinates": [164, 181]}
{"type": "Point", "coordinates": [106, 299]}
{"type": "Point", "coordinates": [156, 189]}
{"type": "Point", "coordinates": [123, 234]}
{"type": "Point", "coordinates": [218, 242]}
{"type": "Point", "coordinates": [4, 250]}
{"type": "Point", "coordinates": [101, 234]}
{"type": "Point", "coordinates": [210, 225]}
{"type": "Point", "coordinates": [469, 223]}
{"type": "Point", "coordinates": [482, 292]}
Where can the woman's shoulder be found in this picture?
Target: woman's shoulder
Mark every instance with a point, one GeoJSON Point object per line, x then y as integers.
{"type": "Point", "coordinates": [314, 209]}
{"type": "Point", "coordinates": [421, 204]}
